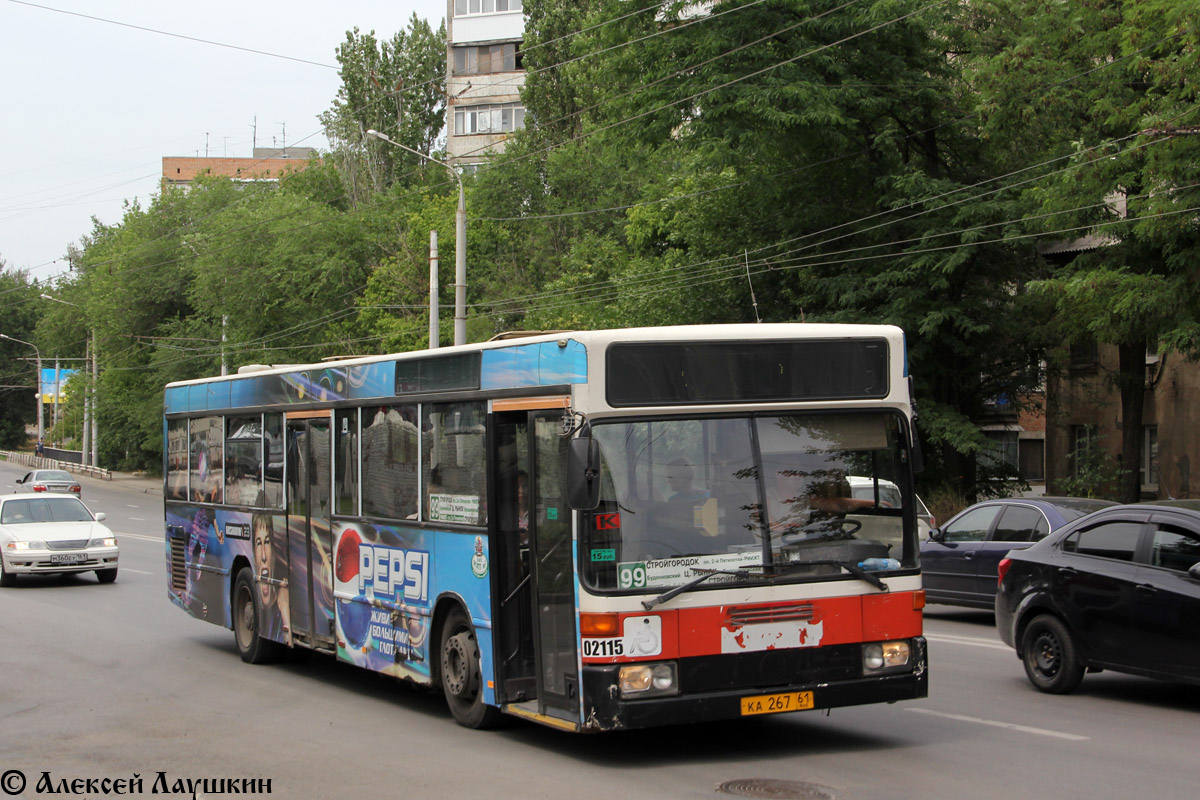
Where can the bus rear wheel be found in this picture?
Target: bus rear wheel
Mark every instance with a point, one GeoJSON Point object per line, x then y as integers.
{"type": "Point", "coordinates": [247, 611]}
{"type": "Point", "coordinates": [462, 680]}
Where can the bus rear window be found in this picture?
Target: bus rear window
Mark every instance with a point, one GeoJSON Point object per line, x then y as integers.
{"type": "Point", "coordinates": [679, 373]}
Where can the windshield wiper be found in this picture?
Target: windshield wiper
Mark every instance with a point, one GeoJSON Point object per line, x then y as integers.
{"type": "Point", "coordinates": [693, 583]}
{"type": "Point", "coordinates": [850, 566]}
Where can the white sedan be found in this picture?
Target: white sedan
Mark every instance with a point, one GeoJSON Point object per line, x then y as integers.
{"type": "Point", "coordinates": [48, 534]}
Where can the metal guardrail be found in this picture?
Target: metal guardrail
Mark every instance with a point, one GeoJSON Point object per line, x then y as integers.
{"type": "Point", "coordinates": [43, 462]}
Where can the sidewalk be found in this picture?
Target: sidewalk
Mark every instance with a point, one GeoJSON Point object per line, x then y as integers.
{"type": "Point", "coordinates": [142, 483]}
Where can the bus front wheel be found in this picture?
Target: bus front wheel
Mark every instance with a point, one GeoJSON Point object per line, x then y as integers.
{"type": "Point", "coordinates": [247, 611]}
{"type": "Point", "coordinates": [462, 680]}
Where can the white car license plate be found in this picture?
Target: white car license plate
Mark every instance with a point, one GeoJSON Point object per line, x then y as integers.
{"type": "Point", "coordinates": [67, 558]}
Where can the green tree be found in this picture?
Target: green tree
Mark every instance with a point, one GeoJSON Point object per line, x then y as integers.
{"type": "Point", "coordinates": [19, 309]}
{"type": "Point", "coordinates": [1120, 78]}
{"type": "Point", "coordinates": [395, 86]}
{"type": "Point", "coordinates": [787, 160]}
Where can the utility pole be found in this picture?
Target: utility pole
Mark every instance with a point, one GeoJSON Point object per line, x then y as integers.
{"type": "Point", "coordinates": [460, 240]}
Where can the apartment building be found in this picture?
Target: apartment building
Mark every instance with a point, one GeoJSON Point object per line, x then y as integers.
{"type": "Point", "coordinates": [484, 76]}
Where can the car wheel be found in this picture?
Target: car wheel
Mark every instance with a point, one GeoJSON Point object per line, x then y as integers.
{"type": "Point", "coordinates": [106, 575]}
{"type": "Point", "coordinates": [6, 578]}
{"type": "Point", "coordinates": [1051, 657]}
{"type": "Point", "coordinates": [247, 611]}
{"type": "Point", "coordinates": [462, 682]}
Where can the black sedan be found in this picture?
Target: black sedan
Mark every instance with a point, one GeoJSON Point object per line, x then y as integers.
{"type": "Point", "coordinates": [1118, 590]}
{"type": "Point", "coordinates": [959, 560]}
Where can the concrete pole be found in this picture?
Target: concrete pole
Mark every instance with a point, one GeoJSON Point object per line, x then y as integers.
{"type": "Point", "coordinates": [57, 389]}
{"type": "Point", "coordinates": [95, 401]}
{"type": "Point", "coordinates": [85, 446]}
{"type": "Point", "coordinates": [460, 268]}
{"type": "Point", "coordinates": [434, 310]}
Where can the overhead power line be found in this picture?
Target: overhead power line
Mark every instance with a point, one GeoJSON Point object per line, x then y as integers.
{"type": "Point", "coordinates": [173, 35]}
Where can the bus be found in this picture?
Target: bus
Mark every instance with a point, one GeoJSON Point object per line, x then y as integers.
{"type": "Point", "coordinates": [592, 530]}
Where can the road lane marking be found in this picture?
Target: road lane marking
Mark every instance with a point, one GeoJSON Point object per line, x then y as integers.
{"type": "Point", "coordinates": [142, 536]}
{"type": "Point", "coordinates": [138, 571]}
{"type": "Point", "coordinates": [131, 505]}
{"type": "Point", "coordinates": [971, 641]}
{"type": "Point", "coordinates": [998, 724]}
{"type": "Point", "coordinates": [138, 519]}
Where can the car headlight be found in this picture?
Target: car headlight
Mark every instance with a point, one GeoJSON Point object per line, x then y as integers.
{"type": "Point", "coordinates": [885, 657]}
{"type": "Point", "coordinates": [648, 680]}
{"type": "Point", "coordinates": [103, 541]}
{"type": "Point", "coordinates": [31, 544]}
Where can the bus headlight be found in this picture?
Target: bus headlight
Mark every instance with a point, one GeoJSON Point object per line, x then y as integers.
{"type": "Point", "coordinates": [648, 680]}
{"type": "Point", "coordinates": [885, 656]}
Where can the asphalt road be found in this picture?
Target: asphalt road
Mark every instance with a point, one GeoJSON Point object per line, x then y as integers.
{"type": "Point", "coordinates": [111, 681]}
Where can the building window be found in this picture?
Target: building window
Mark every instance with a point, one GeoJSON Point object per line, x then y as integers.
{"type": "Point", "coordinates": [1032, 459]}
{"type": "Point", "coordinates": [463, 8]}
{"type": "Point", "coordinates": [1085, 355]}
{"type": "Point", "coordinates": [1150, 455]}
{"type": "Point", "coordinates": [489, 119]}
{"type": "Point", "coordinates": [1085, 449]}
{"type": "Point", "coordinates": [1001, 452]}
{"type": "Point", "coordinates": [486, 58]}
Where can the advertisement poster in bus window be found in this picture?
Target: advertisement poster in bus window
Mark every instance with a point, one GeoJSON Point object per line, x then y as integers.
{"type": "Point", "coordinates": [382, 599]}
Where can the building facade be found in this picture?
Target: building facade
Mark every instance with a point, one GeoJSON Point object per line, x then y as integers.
{"type": "Point", "coordinates": [267, 164]}
{"type": "Point", "coordinates": [1086, 427]}
{"type": "Point", "coordinates": [484, 76]}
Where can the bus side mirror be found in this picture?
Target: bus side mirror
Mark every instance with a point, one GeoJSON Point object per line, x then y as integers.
{"type": "Point", "coordinates": [583, 473]}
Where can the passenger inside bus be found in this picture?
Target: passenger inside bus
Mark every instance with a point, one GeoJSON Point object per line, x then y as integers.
{"type": "Point", "coordinates": [680, 477]}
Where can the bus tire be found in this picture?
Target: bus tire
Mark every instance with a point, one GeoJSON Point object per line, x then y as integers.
{"type": "Point", "coordinates": [247, 610]}
{"type": "Point", "coordinates": [462, 680]}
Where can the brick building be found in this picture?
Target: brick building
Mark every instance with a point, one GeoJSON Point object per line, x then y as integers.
{"type": "Point", "coordinates": [267, 164]}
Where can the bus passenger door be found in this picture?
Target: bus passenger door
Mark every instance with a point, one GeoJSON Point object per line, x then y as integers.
{"type": "Point", "coordinates": [310, 573]}
{"type": "Point", "coordinates": [535, 588]}
{"type": "Point", "coordinates": [553, 567]}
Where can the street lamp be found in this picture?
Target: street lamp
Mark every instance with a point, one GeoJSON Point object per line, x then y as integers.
{"type": "Point", "coordinates": [37, 385]}
{"type": "Point", "coordinates": [460, 241]}
{"type": "Point", "coordinates": [89, 411]}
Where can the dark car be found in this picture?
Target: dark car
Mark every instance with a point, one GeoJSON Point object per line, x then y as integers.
{"type": "Point", "coordinates": [1118, 590]}
{"type": "Point", "coordinates": [959, 559]}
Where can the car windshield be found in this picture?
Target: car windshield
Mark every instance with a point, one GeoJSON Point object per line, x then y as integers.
{"type": "Point", "coordinates": [48, 509]}
{"type": "Point", "coordinates": [53, 475]}
{"type": "Point", "coordinates": [747, 493]}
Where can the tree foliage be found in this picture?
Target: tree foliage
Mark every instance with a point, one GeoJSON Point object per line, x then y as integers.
{"type": "Point", "coordinates": [1102, 103]}
{"type": "Point", "coordinates": [889, 161]}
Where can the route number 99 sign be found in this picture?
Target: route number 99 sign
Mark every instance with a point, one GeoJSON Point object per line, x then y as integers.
{"type": "Point", "coordinates": [631, 575]}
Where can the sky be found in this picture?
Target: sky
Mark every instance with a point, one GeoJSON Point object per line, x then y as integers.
{"type": "Point", "coordinates": [89, 108]}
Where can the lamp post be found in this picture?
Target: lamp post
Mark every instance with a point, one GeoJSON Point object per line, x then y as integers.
{"type": "Point", "coordinates": [460, 241]}
{"type": "Point", "coordinates": [37, 385]}
{"type": "Point", "coordinates": [89, 411]}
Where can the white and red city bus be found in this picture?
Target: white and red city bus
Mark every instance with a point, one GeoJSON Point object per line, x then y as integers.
{"type": "Point", "coordinates": [593, 530]}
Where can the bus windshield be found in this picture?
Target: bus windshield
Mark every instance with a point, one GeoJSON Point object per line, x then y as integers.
{"type": "Point", "coordinates": [795, 495]}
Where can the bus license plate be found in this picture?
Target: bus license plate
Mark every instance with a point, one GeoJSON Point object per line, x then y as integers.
{"type": "Point", "coordinates": [776, 703]}
{"type": "Point", "coordinates": [67, 558]}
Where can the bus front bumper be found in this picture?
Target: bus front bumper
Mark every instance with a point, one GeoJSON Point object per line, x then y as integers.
{"type": "Point", "coordinates": [605, 709]}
